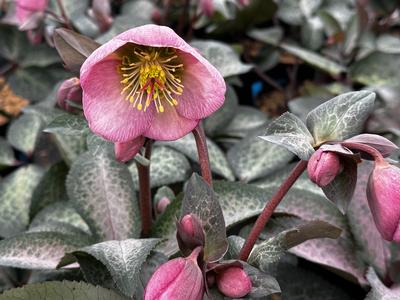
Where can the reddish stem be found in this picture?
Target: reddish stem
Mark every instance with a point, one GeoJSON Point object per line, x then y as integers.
{"type": "Point", "coordinates": [202, 151]}
{"type": "Point", "coordinates": [145, 191]}
{"type": "Point", "coordinates": [377, 156]}
{"type": "Point", "coordinates": [64, 15]}
{"type": "Point", "coordinates": [269, 209]}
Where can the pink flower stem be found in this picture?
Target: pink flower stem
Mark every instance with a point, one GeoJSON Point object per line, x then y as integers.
{"type": "Point", "coordinates": [202, 151]}
{"type": "Point", "coordinates": [376, 155]}
{"type": "Point", "coordinates": [145, 191]}
{"type": "Point", "coordinates": [269, 209]}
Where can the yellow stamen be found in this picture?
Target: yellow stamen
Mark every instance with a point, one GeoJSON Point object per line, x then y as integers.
{"type": "Point", "coordinates": [151, 75]}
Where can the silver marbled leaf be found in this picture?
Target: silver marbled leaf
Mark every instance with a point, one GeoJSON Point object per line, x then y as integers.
{"type": "Point", "coordinates": [61, 290]}
{"type": "Point", "coordinates": [200, 199]}
{"type": "Point", "coordinates": [101, 190]}
{"type": "Point", "coordinates": [167, 166]}
{"type": "Point", "coordinates": [222, 56]}
{"type": "Point", "coordinates": [290, 132]}
{"type": "Point", "coordinates": [379, 291]}
{"type": "Point", "coordinates": [340, 117]}
{"type": "Point", "coordinates": [38, 250]}
{"type": "Point", "coordinates": [272, 249]}
{"type": "Point", "coordinates": [218, 162]}
{"type": "Point", "coordinates": [123, 259]}
{"type": "Point", "coordinates": [15, 199]}
{"type": "Point", "coordinates": [253, 158]}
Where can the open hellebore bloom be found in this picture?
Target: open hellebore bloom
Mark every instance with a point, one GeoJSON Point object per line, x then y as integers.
{"type": "Point", "coordinates": [148, 82]}
{"type": "Point", "coordinates": [383, 193]}
{"type": "Point", "coordinates": [177, 279]}
{"type": "Point", "coordinates": [323, 167]}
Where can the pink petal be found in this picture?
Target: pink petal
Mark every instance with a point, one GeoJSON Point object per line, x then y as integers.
{"type": "Point", "coordinates": [169, 125]}
{"type": "Point", "coordinates": [24, 8]}
{"type": "Point", "coordinates": [127, 150]}
{"type": "Point", "coordinates": [204, 88]}
{"type": "Point", "coordinates": [107, 111]}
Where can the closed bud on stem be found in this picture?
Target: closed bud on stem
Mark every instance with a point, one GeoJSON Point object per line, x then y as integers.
{"type": "Point", "coordinates": [190, 233]}
{"type": "Point", "coordinates": [69, 90]}
{"type": "Point", "coordinates": [323, 167]}
{"type": "Point", "coordinates": [233, 282]}
{"type": "Point", "coordinates": [162, 204]}
{"type": "Point", "coordinates": [180, 278]}
{"type": "Point", "coordinates": [383, 193]}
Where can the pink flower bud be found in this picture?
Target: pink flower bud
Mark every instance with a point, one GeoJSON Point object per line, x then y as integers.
{"type": "Point", "coordinates": [162, 204]}
{"type": "Point", "coordinates": [323, 167]}
{"type": "Point", "coordinates": [383, 193]}
{"type": "Point", "coordinates": [190, 233]}
{"type": "Point", "coordinates": [180, 278]}
{"type": "Point", "coordinates": [207, 7]}
{"type": "Point", "coordinates": [234, 282]}
{"type": "Point", "coordinates": [70, 90]}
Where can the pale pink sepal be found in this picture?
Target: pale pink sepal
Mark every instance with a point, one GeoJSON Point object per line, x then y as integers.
{"type": "Point", "coordinates": [127, 150]}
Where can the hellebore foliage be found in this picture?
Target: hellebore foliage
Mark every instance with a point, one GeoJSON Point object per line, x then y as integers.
{"type": "Point", "coordinates": [211, 149]}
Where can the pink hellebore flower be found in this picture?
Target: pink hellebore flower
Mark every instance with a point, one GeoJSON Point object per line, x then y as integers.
{"type": "Point", "coordinates": [383, 193]}
{"type": "Point", "coordinates": [29, 12]}
{"type": "Point", "coordinates": [177, 279]}
{"type": "Point", "coordinates": [148, 82]}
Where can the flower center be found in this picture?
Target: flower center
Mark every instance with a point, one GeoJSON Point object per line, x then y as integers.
{"type": "Point", "coordinates": [151, 75]}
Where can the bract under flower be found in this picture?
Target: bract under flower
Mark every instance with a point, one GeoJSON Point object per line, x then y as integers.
{"type": "Point", "coordinates": [148, 82]}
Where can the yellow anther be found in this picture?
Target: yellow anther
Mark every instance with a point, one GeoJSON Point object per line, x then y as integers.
{"type": "Point", "coordinates": [140, 106]}
{"type": "Point", "coordinates": [161, 108]}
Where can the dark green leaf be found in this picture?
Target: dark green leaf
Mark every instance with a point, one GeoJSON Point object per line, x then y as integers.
{"type": "Point", "coordinates": [271, 36]}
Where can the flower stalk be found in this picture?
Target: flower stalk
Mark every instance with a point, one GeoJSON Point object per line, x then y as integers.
{"type": "Point", "coordinates": [269, 209]}
{"type": "Point", "coordinates": [145, 191]}
{"type": "Point", "coordinates": [202, 151]}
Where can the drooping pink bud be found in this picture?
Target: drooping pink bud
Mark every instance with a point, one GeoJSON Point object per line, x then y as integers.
{"type": "Point", "coordinates": [207, 7]}
{"type": "Point", "coordinates": [69, 90]}
{"type": "Point", "coordinates": [323, 167]}
{"type": "Point", "coordinates": [180, 278]}
{"type": "Point", "coordinates": [190, 233]}
{"type": "Point", "coordinates": [101, 10]}
{"type": "Point", "coordinates": [234, 282]}
{"type": "Point", "coordinates": [383, 193]}
{"type": "Point", "coordinates": [162, 204]}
